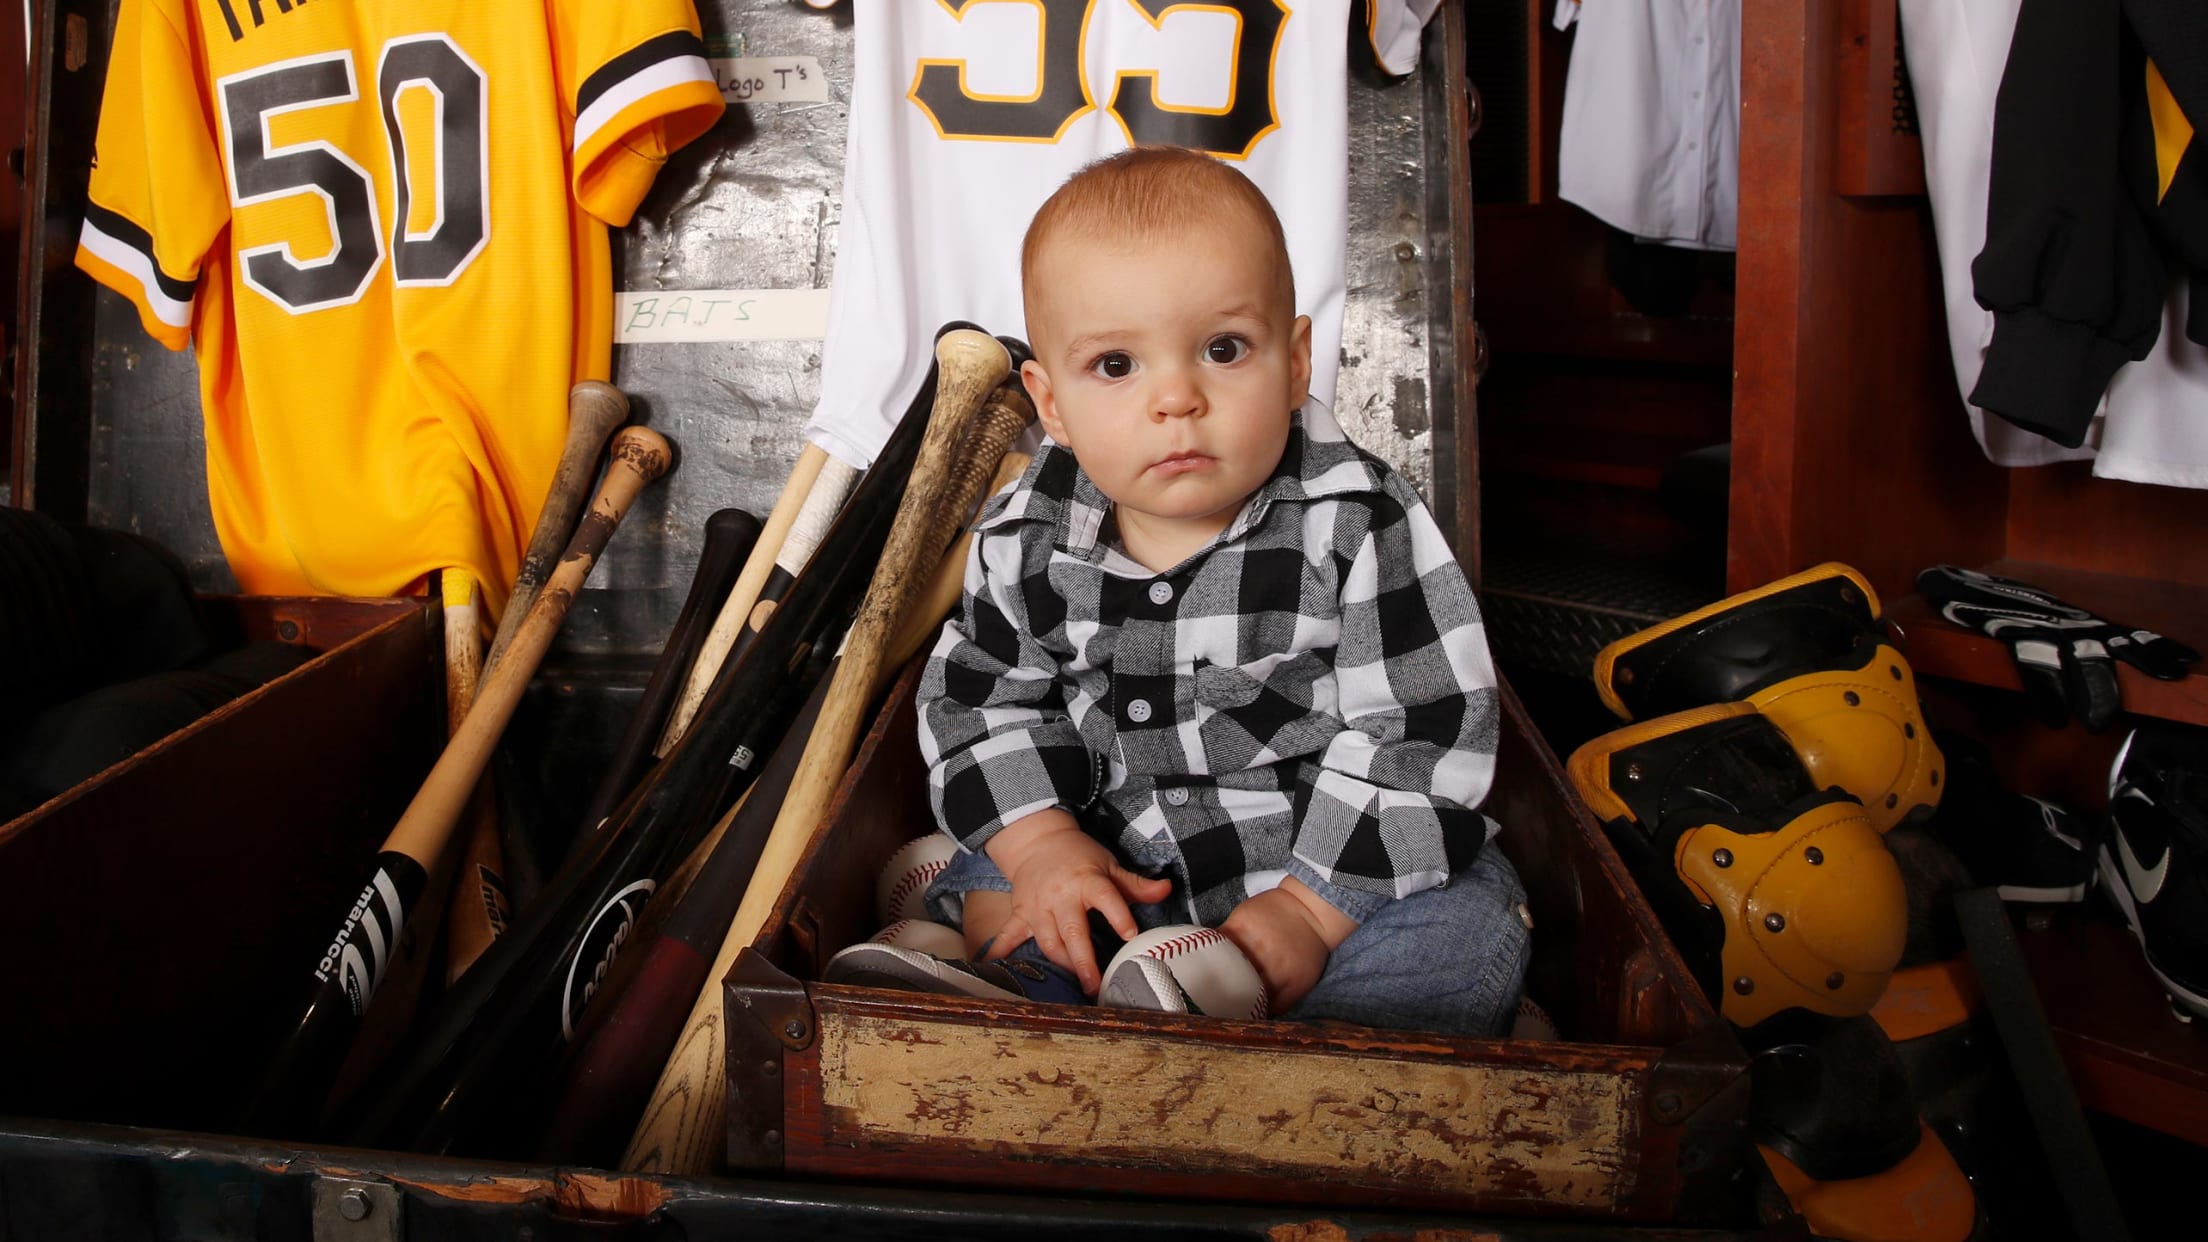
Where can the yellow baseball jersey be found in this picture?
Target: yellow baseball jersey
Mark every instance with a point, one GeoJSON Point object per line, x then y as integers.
{"type": "Point", "coordinates": [382, 225]}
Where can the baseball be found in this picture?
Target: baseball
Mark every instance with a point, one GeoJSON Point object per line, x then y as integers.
{"type": "Point", "coordinates": [904, 879]}
{"type": "Point", "coordinates": [1209, 967]}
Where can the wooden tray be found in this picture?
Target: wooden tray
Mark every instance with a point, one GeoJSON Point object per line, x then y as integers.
{"type": "Point", "coordinates": [1639, 1116]}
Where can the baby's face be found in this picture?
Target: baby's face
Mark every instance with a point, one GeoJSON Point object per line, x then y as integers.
{"type": "Point", "coordinates": [1169, 367]}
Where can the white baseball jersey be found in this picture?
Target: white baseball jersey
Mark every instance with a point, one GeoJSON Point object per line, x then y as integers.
{"type": "Point", "coordinates": [1651, 136]}
{"type": "Point", "coordinates": [967, 114]}
{"type": "Point", "coordinates": [2152, 426]}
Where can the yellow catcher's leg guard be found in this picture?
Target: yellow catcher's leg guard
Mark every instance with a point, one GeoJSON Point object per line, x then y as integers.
{"type": "Point", "coordinates": [1810, 653]}
{"type": "Point", "coordinates": [1780, 895]}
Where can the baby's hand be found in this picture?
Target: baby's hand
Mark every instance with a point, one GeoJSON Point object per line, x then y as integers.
{"type": "Point", "coordinates": [1060, 873]}
{"type": "Point", "coordinates": [1288, 934]}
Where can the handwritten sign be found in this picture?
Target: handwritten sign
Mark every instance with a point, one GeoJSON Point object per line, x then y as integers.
{"type": "Point", "coordinates": [651, 318]}
{"type": "Point", "coordinates": [770, 79]}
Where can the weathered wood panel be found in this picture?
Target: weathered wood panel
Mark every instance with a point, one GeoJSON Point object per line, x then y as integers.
{"type": "Point", "coordinates": [1505, 1128]}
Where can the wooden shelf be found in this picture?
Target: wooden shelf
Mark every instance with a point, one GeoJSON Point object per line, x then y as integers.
{"type": "Point", "coordinates": [1940, 649]}
{"type": "Point", "coordinates": [2129, 1056]}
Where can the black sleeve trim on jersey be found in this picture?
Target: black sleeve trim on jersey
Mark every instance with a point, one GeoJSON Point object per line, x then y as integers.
{"type": "Point", "coordinates": [670, 46]}
{"type": "Point", "coordinates": [126, 231]}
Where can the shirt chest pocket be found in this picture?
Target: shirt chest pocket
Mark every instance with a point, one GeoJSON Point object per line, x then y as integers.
{"type": "Point", "coordinates": [1276, 708]}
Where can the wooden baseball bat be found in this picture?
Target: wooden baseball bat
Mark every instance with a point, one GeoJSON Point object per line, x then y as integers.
{"type": "Point", "coordinates": [798, 496]}
{"type": "Point", "coordinates": [458, 1085]}
{"type": "Point", "coordinates": [741, 595]}
{"type": "Point", "coordinates": [346, 975]}
{"type": "Point", "coordinates": [729, 537]}
{"type": "Point", "coordinates": [477, 910]}
{"type": "Point", "coordinates": [949, 583]}
{"type": "Point", "coordinates": [629, 1029]}
{"type": "Point", "coordinates": [408, 972]}
{"type": "Point", "coordinates": [594, 409]}
{"type": "Point", "coordinates": [832, 485]}
{"type": "Point", "coordinates": [682, 1127]}
{"type": "Point", "coordinates": [625, 1032]}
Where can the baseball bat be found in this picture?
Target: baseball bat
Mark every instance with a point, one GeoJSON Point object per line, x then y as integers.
{"type": "Point", "coordinates": [625, 1032]}
{"type": "Point", "coordinates": [594, 409]}
{"type": "Point", "coordinates": [408, 973]}
{"type": "Point", "coordinates": [730, 619]}
{"type": "Point", "coordinates": [629, 1029]}
{"type": "Point", "coordinates": [949, 583]}
{"type": "Point", "coordinates": [803, 505]}
{"type": "Point", "coordinates": [345, 977]}
{"type": "Point", "coordinates": [729, 537]}
{"type": "Point", "coordinates": [478, 904]}
{"type": "Point", "coordinates": [457, 1085]}
{"type": "Point", "coordinates": [477, 910]}
{"type": "Point", "coordinates": [831, 486]}
{"type": "Point", "coordinates": [682, 1124]}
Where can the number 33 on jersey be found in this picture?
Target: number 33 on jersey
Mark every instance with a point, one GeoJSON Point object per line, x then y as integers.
{"type": "Point", "coordinates": [966, 114]}
{"type": "Point", "coordinates": [382, 223]}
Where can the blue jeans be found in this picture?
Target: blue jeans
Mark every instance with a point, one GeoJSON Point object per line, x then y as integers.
{"type": "Point", "coordinates": [1449, 959]}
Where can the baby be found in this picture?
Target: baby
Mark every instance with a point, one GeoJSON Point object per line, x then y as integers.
{"type": "Point", "coordinates": [1215, 664]}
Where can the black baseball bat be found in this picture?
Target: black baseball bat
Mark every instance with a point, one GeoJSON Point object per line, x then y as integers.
{"type": "Point", "coordinates": [623, 1037]}
{"type": "Point", "coordinates": [729, 534]}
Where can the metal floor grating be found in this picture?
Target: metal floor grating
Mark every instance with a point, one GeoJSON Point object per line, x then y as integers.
{"type": "Point", "coordinates": [1553, 612]}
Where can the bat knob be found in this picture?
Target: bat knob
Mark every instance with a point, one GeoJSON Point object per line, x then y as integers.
{"type": "Point", "coordinates": [597, 403]}
{"type": "Point", "coordinates": [643, 450]}
{"type": "Point", "coordinates": [970, 354]}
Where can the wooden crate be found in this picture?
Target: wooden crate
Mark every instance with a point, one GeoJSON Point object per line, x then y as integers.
{"type": "Point", "coordinates": [1638, 1116]}
{"type": "Point", "coordinates": [147, 912]}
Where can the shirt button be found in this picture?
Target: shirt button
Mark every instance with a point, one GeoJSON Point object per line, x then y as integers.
{"type": "Point", "coordinates": [1139, 710]}
{"type": "Point", "coordinates": [1177, 796]}
{"type": "Point", "coordinates": [1161, 592]}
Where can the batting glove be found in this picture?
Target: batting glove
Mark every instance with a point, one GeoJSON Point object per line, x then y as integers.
{"type": "Point", "coordinates": [2065, 655]}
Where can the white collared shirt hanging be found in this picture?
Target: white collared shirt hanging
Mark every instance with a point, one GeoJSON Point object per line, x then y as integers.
{"type": "Point", "coordinates": [966, 114]}
{"type": "Point", "coordinates": [1651, 136]}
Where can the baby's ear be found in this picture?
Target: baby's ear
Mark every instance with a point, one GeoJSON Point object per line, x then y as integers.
{"type": "Point", "coordinates": [1046, 403]}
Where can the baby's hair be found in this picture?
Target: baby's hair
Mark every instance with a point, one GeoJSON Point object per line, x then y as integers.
{"type": "Point", "coordinates": [1144, 192]}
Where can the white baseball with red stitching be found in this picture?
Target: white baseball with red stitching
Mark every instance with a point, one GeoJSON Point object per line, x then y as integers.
{"type": "Point", "coordinates": [904, 879]}
{"type": "Point", "coordinates": [1210, 968]}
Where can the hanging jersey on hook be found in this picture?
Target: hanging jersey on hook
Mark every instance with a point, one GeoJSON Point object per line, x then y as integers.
{"type": "Point", "coordinates": [383, 229]}
{"type": "Point", "coordinates": [966, 114]}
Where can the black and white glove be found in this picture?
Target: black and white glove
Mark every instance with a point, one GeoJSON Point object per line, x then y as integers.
{"type": "Point", "coordinates": [2066, 655]}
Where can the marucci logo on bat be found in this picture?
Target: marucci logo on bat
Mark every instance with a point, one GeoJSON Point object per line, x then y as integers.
{"type": "Point", "coordinates": [609, 930]}
{"type": "Point", "coordinates": [374, 923]}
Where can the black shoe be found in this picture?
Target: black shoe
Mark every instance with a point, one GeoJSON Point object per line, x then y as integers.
{"type": "Point", "coordinates": [2155, 862]}
{"type": "Point", "coordinates": [2028, 849]}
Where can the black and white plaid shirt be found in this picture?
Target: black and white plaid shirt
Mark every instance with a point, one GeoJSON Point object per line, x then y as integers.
{"type": "Point", "coordinates": [1309, 695]}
